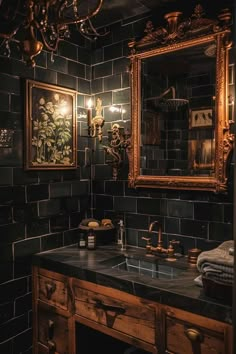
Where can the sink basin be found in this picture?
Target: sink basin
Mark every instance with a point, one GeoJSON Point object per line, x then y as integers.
{"type": "Point", "coordinates": [146, 266]}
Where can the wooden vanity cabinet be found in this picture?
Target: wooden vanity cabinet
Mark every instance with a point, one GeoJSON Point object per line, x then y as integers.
{"type": "Point", "coordinates": [187, 333]}
{"type": "Point", "coordinates": [59, 302]}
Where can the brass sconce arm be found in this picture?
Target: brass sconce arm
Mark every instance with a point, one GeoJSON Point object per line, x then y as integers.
{"type": "Point", "coordinates": [96, 123]}
{"type": "Point", "coordinates": [119, 141]}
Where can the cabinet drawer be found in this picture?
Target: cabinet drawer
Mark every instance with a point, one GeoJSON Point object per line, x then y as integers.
{"type": "Point", "coordinates": [53, 289]}
{"type": "Point", "coordinates": [188, 333]}
{"type": "Point", "coordinates": [116, 310]}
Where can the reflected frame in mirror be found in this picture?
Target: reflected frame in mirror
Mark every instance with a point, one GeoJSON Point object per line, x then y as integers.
{"type": "Point", "coordinates": [216, 178]}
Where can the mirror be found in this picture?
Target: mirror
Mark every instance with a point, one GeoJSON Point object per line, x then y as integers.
{"type": "Point", "coordinates": [179, 90]}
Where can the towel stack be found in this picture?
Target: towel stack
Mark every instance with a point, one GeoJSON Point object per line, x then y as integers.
{"type": "Point", "coordinates": [217, 264]}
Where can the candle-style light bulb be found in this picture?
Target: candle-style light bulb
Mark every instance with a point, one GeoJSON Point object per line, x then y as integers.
{"type": "Point", "coordinates": [89, 113]}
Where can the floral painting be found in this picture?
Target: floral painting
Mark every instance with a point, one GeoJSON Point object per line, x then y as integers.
{"type": "Point", "coordinates": [50, 126]}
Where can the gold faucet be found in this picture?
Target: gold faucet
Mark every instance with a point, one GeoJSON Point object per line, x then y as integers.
{"type": "Point", "coordinates": [159, 249]}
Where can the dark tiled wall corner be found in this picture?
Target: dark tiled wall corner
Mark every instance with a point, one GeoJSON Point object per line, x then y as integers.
{"type": "Point", "coordinates": [39, 210]}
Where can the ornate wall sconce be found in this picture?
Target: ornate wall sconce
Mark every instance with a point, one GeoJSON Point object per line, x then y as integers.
{"type": "Point", "coordinates": [96, 123]}
{"type": "Point", "coordinates": [119, 141]}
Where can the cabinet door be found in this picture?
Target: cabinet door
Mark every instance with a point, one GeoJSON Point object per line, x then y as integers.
{"type": "Point", "coordinates": [53, 330]}
{"type": "Point", "coordinates": [186, 333]}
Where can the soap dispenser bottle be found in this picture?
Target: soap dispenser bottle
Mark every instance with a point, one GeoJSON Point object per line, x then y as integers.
{"type": "Point", "coordinates": [91, 240]}
{"type": "Point", "coordinates": [121, 240]}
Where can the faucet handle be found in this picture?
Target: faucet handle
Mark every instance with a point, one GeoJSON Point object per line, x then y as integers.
{"type": "Point", "coordinates": [148, 244]}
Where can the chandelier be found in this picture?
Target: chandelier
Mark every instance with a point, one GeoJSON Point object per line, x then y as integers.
{"type": "Point", "coordinates": [34, 24]}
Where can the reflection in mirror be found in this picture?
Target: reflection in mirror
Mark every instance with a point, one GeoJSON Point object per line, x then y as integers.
{"type": "Point", "coordinates": [177, 120]}
{"type": "Point", "coordinates": [180, 111]}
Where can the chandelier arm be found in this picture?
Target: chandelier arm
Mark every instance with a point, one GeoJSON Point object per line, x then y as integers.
{"type": "Point", "coordinates": [63, 21]}
{"type": "Point", "coordinates": [48, 46]}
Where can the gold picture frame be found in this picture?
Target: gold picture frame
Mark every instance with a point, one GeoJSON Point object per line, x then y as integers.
{"type": "Point", "coordinates": [50, 127]}
{"type": "Point", "coordinates": [201, 118]}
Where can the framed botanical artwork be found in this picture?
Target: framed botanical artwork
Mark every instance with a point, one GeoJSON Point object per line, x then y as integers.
{"type": "Point", "coordinates": [50, 127]}
{"type": "Point", "coordinates": [201, 118]}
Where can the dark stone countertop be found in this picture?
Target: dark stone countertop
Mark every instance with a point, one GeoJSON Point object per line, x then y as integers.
{"type": "Point", "coordinates": [94, 266]}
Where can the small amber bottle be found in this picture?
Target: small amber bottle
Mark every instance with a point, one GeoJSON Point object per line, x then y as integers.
{"type": "Point", "coordinates": [91, 240]}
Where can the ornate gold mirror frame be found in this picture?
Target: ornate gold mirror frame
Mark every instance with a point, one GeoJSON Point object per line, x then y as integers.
{"type": "Point", "coordinates": [177, 36]}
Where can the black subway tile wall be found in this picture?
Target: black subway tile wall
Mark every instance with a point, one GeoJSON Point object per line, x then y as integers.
{"type": "Point", "coordinates": [41, 210]}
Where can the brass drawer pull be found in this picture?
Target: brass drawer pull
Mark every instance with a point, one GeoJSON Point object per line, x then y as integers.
{"type": "Point", "coordinates": [100, 305]}
{"type": "Point", "coordinates": [51, 347]}
{"type": "Point", "coordinates": [193, 335]}
{"type": "Point", "coordinates": [50, 289]}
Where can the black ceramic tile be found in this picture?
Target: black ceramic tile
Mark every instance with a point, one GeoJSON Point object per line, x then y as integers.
{"type": "Point", "coordinates": [62, 189]}
{"type": "Point", "coordinates": [208, 211]}
{"type": "Point", "coordinates": [112, 82]}
{"type": "Point", "coordinates": [26, 247]}
{"type": "Point", "coordinates": [37, 227]}
{"type": "Point", "coordinates": [148, 206]}
{"type": "Point", "coordinates": [9, 83]}
{"type": "Point", "coordinates": [101, 70]}
{"type": "Point", "coordinates": [220, 231]}
{"type": "Point", "coordinates": [52, 241]}
{"type": "Point", "coordinates": [136, 221]}
{"type": "Point", "coordinates": [84, 56]}
{"type": "Point", "coordinates": [50, 207]}
{"type": "Point", "coordinates": [4, 102]}
{"type": "Point", "coordinates": [68, 50]}
{"type": "Point", "coordinates": [22, 343]}
{"type": "Point", "coordinates": [113, 51]}
{"type": "Point", "coordinates": [50, 176]}
{"type": "Point", "coordinates": [179, 208]}
{"type": "Point", "coordinates": [121, 32]}
{"type": "Point", "coordinates": [83, 86]}
{"type": "Point", "coordinates": [13, 289]}
{"type": "Point", "coordinates": [228, 213]}
{"type": "Point", "coordinates": [121, 65]}
{"type": "Point", "coordinates": [97, 86]}
{"type": "Point", "coordinates": [37, 192]}
{"type": "Point", "coordinates": [67, 81]}
{"type": "Point", "coordinates": [6, 312]}
{"type": "Point", "coordinates": [41, 59]}
{"type": "Point", "coordinates": [23, 304]}
{"type": "Point", "coordinates": [6, 347]}
{"type": "Point", "coordinates": [172, 225]}
{"type": "Point", "coordinates": [45, 75]}
{"type": "Point", "coordinates": [104, 202]}
{"type": "Point", "coordinates": [106, 98]}
{"type": "Point", "coordinates": [80, 188]}
{"type": "Point", "coordinates": [127, 204]}
{"type": "Point", "coordinates": [58, 64]}
{"type": "Point", "coordinates": [59, 223]}
{"type": "Point", "coordinates": [5, 214]}
{"type": "Point", "coordinates": [70, 237]}
{"type": "Point", "coordinates": [97, 56]}
{"type": "Point", "coordinates": [198, 229]}
{"type": "Point", "coordinates": [14, 232]}
{"type": "Point", "coordinates": [76, 69]}
{"type": "Point", "coordinates": [114, 188]}
{"type": "Point", "coordinates": [11, 328]}
{"type": "Point", "coordinates": [121, 96]}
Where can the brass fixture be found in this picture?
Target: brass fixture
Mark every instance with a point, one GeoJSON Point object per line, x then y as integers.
{"type": "Point", "coordinates": [48, 20]}
{"type": "Point", "coordinates": [96, 123]}
{"type": "Point", "coordinates": [119, 140]}
{"type": "Point", "coordinates": [159, 249]}
{"type": "Point", "coordinates": [165, 58]}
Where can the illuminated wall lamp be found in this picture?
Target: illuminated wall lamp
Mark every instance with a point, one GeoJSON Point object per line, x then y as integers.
{"type": "Point", "coordinates": [96, 123]}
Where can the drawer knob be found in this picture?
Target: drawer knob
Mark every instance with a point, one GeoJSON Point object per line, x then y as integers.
{"type": "Point", "coordinates": [50, 289]}
{"type": "Point", "coordinates": [193, 335]}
